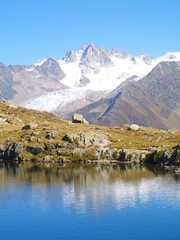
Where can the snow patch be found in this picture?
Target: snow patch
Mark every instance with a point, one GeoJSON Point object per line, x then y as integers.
{"type": "Point", "coordinates": [29, 69]}
{"type": "Point", "coordinates": [40, 62]}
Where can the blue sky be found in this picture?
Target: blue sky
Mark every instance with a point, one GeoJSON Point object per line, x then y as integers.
{"type": "Point", "coordinates": [33, 29]}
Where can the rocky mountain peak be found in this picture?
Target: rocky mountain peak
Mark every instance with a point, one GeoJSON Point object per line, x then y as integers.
{"type": "Point", "coordinates": [50, 68]}
{"type": "Point", "coordinates": [120, 54]}
{"type": "Point", "coordinates": [147, 59]}
{"type": "Point", "coordinates": [93, 58]}
{"type": "Point", "coordinates": [84, 46]}
{"type": "Point", "coordinates": [71, 56]}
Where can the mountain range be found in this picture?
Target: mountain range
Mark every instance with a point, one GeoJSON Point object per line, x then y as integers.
{"type": "Point", "coordinates": [108, 87]}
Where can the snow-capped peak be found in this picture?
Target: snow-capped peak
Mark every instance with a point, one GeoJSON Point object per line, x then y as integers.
{"type": "Point", "coordinates": [40, 62]}
{"type": "Point", "coordinates": [91, 69]}
{"type": "Point", "coordinates": [170, 56]}
{"type": "Point", "coordinates": [119, 54]}
{"type": "Point", "coordinates": [96, 68]}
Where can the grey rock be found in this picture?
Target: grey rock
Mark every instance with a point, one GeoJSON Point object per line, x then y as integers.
{"type": "Point", "coordinates": [34, 150]}
{"type": "Point", "coordinates": [13, 151]}
{"type": "Point", "coordinates": [87, 138]}
{"type": "Point", "coordinates": [133, 155]}
{"type": "Point", "coordinates": [164, 156]}
{"type": "Point", "coordinates": [85, 121]}
{"type": "Point", "coordinates": [48, 136]}
{"type": "Point", "coordinates": [68, 138]}
{"type": "Point", "coordinates": [29, 126]}
{"type": "Point", "coordinates": [51, 135]}
{"type": "Point", "coordinates": [78, 118]}
{"type": "Point", "coordinates": [134, 127]}
{"type": "Point", "coordinates": [49, 147]}
{"type": "Point", "coordinates": [83, 81]}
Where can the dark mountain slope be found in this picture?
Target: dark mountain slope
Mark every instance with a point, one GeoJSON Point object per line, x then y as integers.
{"type": "Point", "coordinates": [152, 101]}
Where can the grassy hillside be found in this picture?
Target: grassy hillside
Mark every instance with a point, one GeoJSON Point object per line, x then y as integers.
{"type": "Point", "coordinates": [47, 131]}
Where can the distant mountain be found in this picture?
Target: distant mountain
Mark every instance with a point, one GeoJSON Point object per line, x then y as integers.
{"type": "Point", "coordinates": [109, 87]}
{"type": "Point", "coordinates": [6, 83]}
{"type": "Point", "coordinates": [152, 101]}
{"type": "Point", "coordinates": [32, 81]}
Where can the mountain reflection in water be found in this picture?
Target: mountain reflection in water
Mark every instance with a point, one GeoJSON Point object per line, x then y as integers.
{"type": "Point", "coordinates": [88, 188]}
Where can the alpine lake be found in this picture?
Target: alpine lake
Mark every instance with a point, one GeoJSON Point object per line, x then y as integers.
{"type": "Point", "coordinates": [88, 201]}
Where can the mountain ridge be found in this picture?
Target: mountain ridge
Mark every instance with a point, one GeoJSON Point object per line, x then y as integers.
{"type": "Point", "coordinates": [152, 101]}
{"type": "Point", "coordinates": [84, 77]}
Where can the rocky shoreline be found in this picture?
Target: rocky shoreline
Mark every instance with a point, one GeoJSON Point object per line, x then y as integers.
{"type": "Point", "coordinates": [169, 159]}
{"type": "Point", "coordinates": [32, 136]}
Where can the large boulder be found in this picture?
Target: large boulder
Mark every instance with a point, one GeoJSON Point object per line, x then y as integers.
{"type": "Point", "coordinates": [134, 127]}
{"type": "Point", "coordinates": [78, 118]}
{"type": "Point", "coordinates": [69, 138]}
{"type": "Point", "coordinates": [13, 151]}
{"type": "Point", "coordinates": [34, 150]}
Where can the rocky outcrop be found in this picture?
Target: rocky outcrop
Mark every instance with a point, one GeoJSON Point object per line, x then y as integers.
{"type": "Point", "coordinates": [13, 151]}
{"type": "Point", "coordinates": [164, 156]}
{"type": "Point", "coordinates": [83, 81]}
{"type": "Point", "coordinates": [58, 140]}
{"type": "Point", "coordinates": [87, 138]}
{"type": "Point", "coordinates": [133, 155]}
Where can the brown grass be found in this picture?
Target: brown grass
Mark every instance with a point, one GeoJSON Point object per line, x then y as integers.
{"type": "Point", "coordinates": [120, 137]}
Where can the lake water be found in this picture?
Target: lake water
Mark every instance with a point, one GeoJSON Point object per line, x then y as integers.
{"type": "Point", "coordinates": [88, 202]}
